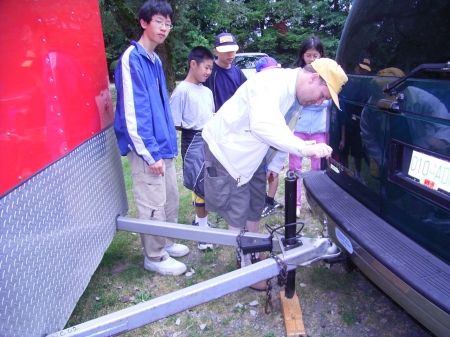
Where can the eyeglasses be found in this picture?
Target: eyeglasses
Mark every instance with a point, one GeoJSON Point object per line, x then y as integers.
{"type": "Point", "coordinates": [311, 56]}
{"type": "Point", "coordinates": [162, 24]}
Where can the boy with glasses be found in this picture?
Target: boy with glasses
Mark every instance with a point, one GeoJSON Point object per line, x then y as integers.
{"type": "Point", "coordinates": [146, 135]}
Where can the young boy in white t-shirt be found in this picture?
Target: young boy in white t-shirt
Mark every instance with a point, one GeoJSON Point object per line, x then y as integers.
{"type": "Point", "coordinates": [192, 106]}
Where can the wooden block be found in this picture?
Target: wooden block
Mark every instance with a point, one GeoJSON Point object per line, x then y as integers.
{"type": "Point", "coordinates": [293, 318]}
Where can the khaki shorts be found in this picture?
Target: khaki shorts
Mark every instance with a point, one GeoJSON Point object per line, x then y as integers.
{"type": "Point", "coordinates": [236, 205]}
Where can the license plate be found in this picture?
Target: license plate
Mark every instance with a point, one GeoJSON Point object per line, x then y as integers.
{"type": "Point", "coordinates": [430, 171]}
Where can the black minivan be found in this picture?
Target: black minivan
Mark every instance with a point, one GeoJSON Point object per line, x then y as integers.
{"type": "Point", "coordinates": [385, 195]}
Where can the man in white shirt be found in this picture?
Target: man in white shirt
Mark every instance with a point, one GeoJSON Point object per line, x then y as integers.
{"type": "Point", "coordinates": [251, 121]}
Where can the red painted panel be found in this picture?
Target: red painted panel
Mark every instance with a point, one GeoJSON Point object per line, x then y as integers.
{"type": "Point", "coordinates": [54, 86]}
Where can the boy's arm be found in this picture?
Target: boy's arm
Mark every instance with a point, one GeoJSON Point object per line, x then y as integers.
{"type": "Point", "coordinates": [267, 122]}
{"type": "Point", "coordinates": [277, 162]}
{"type": "Point", "coordinates": [268, 125]}
{"type": "Point", "coordinates": [178, 105]}
{"type": "Point", "coordinates": [137, 112]}
{"type": "Point", "coordinates": [213, 105]}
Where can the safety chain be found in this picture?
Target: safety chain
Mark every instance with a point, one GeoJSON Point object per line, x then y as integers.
{"type": "Point", "coordinates": [238, 247]}
{"type": "Point", "coordinates": [282, 278]}
{"type": "Point", "coordinates": [238, 258]}
{"type": "Point", "coordinates": [238, 238]}
{"type": "Point", "coordinates": [269, 305]}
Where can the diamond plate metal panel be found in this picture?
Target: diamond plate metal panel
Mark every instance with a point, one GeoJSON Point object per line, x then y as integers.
{"type": "Point", "coordinates": [54, 229]}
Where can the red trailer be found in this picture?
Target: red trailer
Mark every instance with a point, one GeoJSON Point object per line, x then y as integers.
{"type": "Point", "coordinates": [61, 181]}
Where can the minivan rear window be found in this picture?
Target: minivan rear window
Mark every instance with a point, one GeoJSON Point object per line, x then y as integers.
{"type": "Point", "coordinates": [381, 137]}
{"type": "Point", "coordinates": [393, 34]}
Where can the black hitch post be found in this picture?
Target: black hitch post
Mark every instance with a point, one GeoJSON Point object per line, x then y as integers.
{"type": "Point", "coordinates": [290, 201]}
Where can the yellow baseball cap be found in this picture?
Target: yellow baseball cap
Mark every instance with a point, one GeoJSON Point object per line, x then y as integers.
{"type": "Point", "coordinates": [332, 74]}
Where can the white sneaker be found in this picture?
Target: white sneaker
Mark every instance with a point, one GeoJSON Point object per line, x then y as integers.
{"type": "Point", "coordinates": [297, 212]}
{"type": "Point", "coordinates": [177, 250]}
{"type": "Point", "coordinates": [167, 267]}
{"type": "Point", "coordinates": [205, 246]}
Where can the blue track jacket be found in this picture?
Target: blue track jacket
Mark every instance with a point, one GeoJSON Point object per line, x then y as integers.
{"type": "Point", "coordinates": [143, 120]}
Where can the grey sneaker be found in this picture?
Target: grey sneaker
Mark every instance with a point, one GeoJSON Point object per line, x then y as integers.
{"type": "Point", "coordinates": [166, 267]}
{"type": "Point", "coordinates": [203, 245]}
{"type": "Point", "coordinates": [177, 250]}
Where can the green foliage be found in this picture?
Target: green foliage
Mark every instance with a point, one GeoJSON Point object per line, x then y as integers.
{"type": "Point", "coordinates": [142, 296]}
{"type": "Point", "coordinates": [114, 36]}
{"type": "Point", "coordinates": [112, 68]}
{"type": "Point", "coordinates": [277, 28]}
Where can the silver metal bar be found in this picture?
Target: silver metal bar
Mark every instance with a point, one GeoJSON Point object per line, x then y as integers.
{"type": "Point", "coordinates": [164, 306]}
{"type": "Point", "coordinates": [186, 232]}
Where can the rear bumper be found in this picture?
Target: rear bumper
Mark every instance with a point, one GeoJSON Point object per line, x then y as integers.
{"type": "Point", "coordinates": [410, 275]}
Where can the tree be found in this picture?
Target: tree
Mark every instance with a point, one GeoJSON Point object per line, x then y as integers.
{"type": "Point", "coordinates": [121, 25]}
{"type": "Point", "coordinates": [275, 27]}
